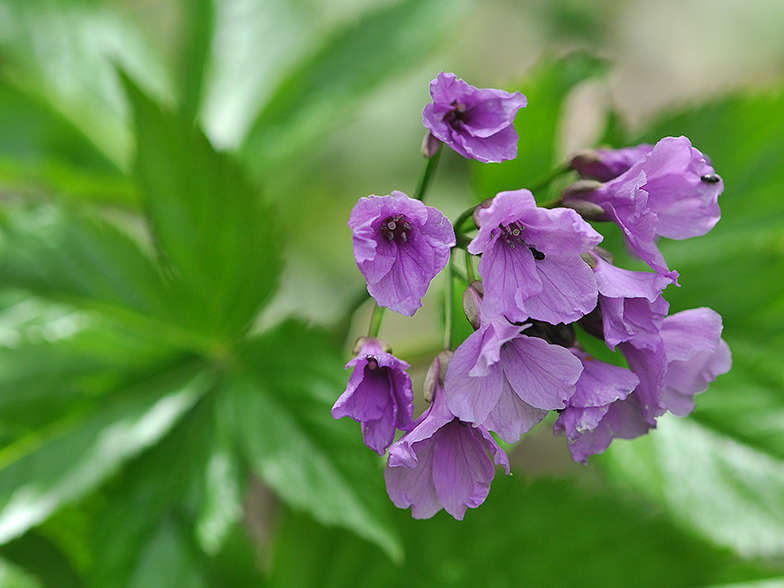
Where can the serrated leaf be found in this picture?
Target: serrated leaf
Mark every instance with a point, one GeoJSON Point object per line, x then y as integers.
{"type": "Point", "coordinates": [80, 258]}
{"type": "Point", "coordinates": [39, 147]}
{"type": "Point", "coordinates": [328, 86]}
{"type": "Point", "coordinates": [209, 221]}
{"type": "Point", "coordinates": [62, 463]}
{"type": "Point", "coordinates": [55, 359]}
{"type": "Point", "coordinates": [281, 408]}
{"type": "Point", "coordinates": [64, 52]}
{"type": "Point", "coordinates": [546, 88]}
{"type": "Point", "coordinates": [155, 494]}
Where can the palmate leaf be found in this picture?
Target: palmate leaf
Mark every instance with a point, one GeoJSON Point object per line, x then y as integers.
{"type": "Point", "coordinates": [321, 91]}
{"type": "Point", "coordinates": [55, 359]}
{"type": "Point", "coordinates": [40, 147]}
{"type": "Point", "coordinates": [63, 462]}
{"type": "Point", "coordinates": [281, 407]}
{"type": "Point", "coordinates": [721, 471]}
{"type": "Point", "coordinates": [221, 241]}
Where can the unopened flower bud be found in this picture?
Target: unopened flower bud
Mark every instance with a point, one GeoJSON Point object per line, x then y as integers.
{"type": "Point", "coordinates": [430, 145]}
{"type": "Point", "coordinates": [487, 203]}
{"type": "Point", "coordinates": [436, 374]}
{"type": "Point", "coordinates": [587, 210]}
{"type": "Point", "coordinates": [579, 188]}
{"type": "Point", "coordinates": [472, 300]}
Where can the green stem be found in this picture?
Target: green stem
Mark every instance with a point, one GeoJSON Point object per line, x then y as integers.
{"type": "Point", "coordinates": [448, 304]}
{"type": "Point", "coordinates": [427, 176]}
{"type": "Point", "coordinates": [375, 321]}
{"type": "Point", "coordinates": [551, 203]}
{"type": "Point", "coordinates": [463, 219]}
{"type": "Point", "coordinates": [469, 261]}
{"type": "Point", "coordinates": [547, 180]}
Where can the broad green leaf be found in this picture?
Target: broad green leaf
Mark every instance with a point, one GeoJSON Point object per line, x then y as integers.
{"type": "Point", "coordinates": [39, 147]}
{"type": "Point", "coordinates": [550, 533]}
{"type": "Point", "coordinates": [38, 555]}
{"type": "Point", "coordinates": [546, 88]}
{"type": "Point", "coordinates": [327, 87]}
{"type": "Point", "coordinates": [65, 53]}
{"type": "Point", "coordinates": [154, 491]}
{"type": "Point", "coordinates": [221, 239]}
{"type": "Point", "coordinates": [281, 407]}
{"type": "Point", "coordinates": [168, 559]}
{"type": "Point", "coordinates": [12, 576]}
{"type": "Point", "coordinates": [195, 52]}
{"type": "Point", "coordinates": [79, 259]}
{"type": "Point", "coordinates": [55, 359]}
{"type": "Point", "coordinates": [63, 462]}
{"type": "Point", "coordinates": [729, 491]}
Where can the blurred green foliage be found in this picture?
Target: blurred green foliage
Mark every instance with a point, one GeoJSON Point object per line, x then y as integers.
{"type": "Point", "coordinates": [163, 424]}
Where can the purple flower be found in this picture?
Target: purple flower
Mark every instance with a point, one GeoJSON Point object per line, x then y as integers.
{"type": "Point", "coordinates": [507, 382]}
{"type": "Point", "coordinates": [442, 462]}
{"type": "Point", "coordinates": [696, 356]}
{"type": "Point", "coordinates": [478, 124]}
{"type": "Point", "coordinates": [670, 192]}
{"type": "Point", "coordinates": [531, 265]}
{"type": "Point", "coordinates": [378, 395]}
{"type": "Point", "coordinates": [632, 307]}
{"type": "Point", "coordinates": [607, 164]}
{"type": "Point", "coordinates": [597, 413]}
{"type": "Point", "coordinates": [399, 245]}
{"type": "Point", "coordinates": [624, 419]}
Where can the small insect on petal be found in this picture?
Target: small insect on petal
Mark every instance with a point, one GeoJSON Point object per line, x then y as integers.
{"type": "Point", "coordinates": [711, 179]}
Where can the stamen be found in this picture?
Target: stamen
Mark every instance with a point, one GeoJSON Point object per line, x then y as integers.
{"type": "Point", "coordinates": [396, 227]}
{"type": "Point", "coordinates": [372, 363]}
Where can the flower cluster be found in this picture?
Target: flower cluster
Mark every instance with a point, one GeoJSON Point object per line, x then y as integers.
{"type": "Point", "coordinates": [545, 284]}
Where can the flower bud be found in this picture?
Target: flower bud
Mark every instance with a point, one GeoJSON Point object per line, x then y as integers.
{"type": "Point", "coordinates": [430, 145]}
{"type": "Point", "coordinates": [472, 300]}
{"type": "Point", "coordinates": [436, 374]}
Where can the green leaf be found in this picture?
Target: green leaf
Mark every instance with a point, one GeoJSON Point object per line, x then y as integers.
{"type": "Point", "coordinates": [60, 464]}
{"type": "Point", "coordinates": [41, 148]}
{"type": "Point", "coordinates": [543, 533]}
{"type": "Point", "coordinates": [37, 554]}
{"type": "Point", "coordinates": [55, 359]}
{"type": "Point", "coordinates": [728, 491]}
{"type": "Point", "coordinates": [281, 408]}
{"type": "Point", "coordinates": [546, 88]}
{"type": "Point", "coordinates": [326, 88]}
{"type": "Point", "coordinates": [198, 30]}
{"type": "Point", "coordinates": [73, 256]}
{"type": "Point", "coordinates": [221, 239]}
{"type": "Point", "coordinates": [65, 53]}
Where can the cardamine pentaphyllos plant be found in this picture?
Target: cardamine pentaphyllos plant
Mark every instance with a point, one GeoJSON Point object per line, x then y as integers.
{"type": "Point", "coordinates": [542, 275]}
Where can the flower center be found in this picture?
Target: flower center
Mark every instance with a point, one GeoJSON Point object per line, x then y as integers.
{"type": "Point", "coordinates": [457, 113]}
{"type": "Point", "coordinates": [396, 228]}
{"type": "Point", "coordinates": [512, 235]}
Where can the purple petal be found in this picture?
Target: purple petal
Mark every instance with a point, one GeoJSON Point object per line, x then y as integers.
{"type": "Point", "coordinates": [511, 416]}
{"type": "Point", "coordinates": [414, 486]}
{"type": "Point", "coordinates": [568, 291]}
{"type": "Point", "coordinates": [601, 383]}
{"type": "Point", "coordinates": [462, 470]}
{"type": "Point", "coordinates": [541, 374]}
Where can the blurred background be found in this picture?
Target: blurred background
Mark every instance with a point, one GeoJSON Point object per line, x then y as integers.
{"type": "Point", "coordinates": [176, 305]}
